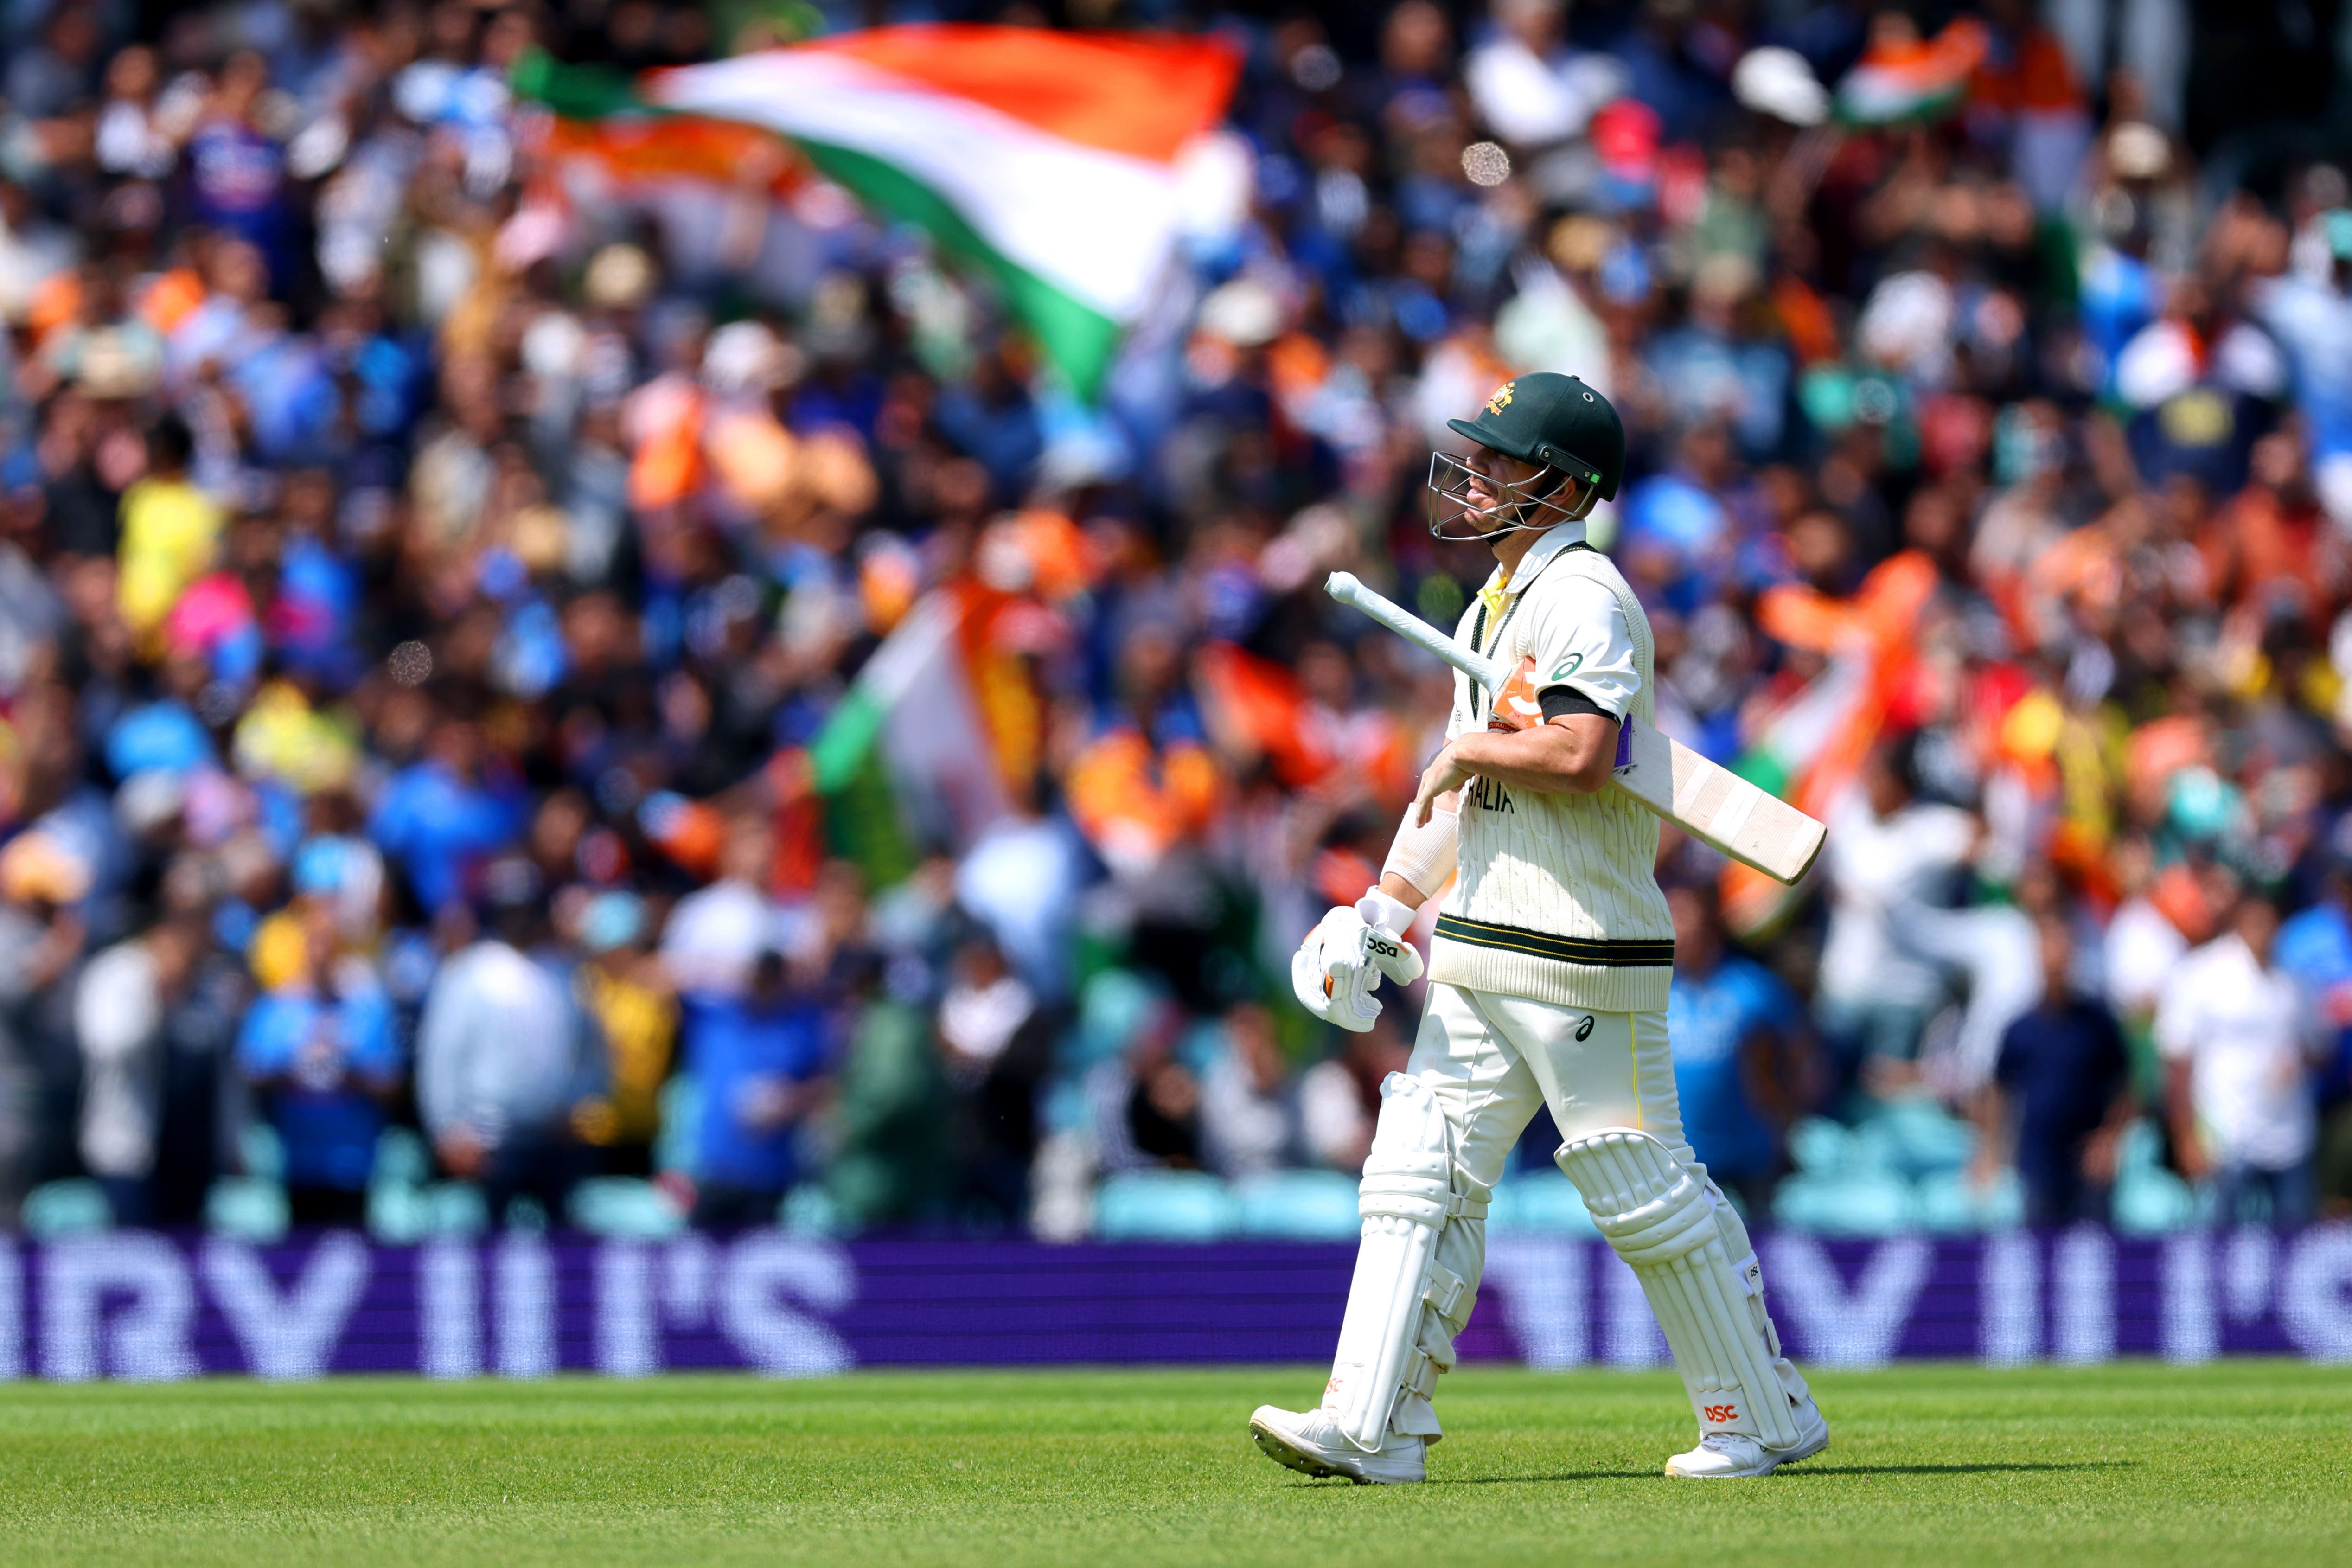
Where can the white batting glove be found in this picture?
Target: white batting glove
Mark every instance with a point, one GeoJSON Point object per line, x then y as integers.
{"type": "Point", "coordinates": [1336, 969]}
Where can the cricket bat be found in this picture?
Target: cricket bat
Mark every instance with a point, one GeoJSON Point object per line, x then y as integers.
{"type": "Point", "coordinates": [1712, 804]}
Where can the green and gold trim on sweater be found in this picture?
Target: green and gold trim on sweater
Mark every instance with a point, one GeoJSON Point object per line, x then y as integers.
{"type": "Point", "coordinates": [1630, 975]}
{"type": "Point", "coordinates": [1631, 954]}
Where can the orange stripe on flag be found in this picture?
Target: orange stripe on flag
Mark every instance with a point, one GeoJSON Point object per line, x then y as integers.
{"type": "Point", "coordinates": [680, 146]}
{"type": "Point", "coordinates": [1145, 96]}
{"type": "Point", "coordinates": [1259, 705]}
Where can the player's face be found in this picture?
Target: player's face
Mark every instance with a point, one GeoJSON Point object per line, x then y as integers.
{"type": "Point", "coordinates": [1495, 484]}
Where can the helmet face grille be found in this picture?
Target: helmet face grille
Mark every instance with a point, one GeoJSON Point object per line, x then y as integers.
{"type": "Point", "coordinates": [1519, 508]}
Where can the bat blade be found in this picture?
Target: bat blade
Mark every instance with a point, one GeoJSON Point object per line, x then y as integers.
{"type": "Point", "coordinates": [1716, 806]}
{"type": "Point", "coordinates": [1710, 802]}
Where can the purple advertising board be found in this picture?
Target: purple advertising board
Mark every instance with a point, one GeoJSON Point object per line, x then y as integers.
{"type": "Point", "coordinates": [144, 1306]}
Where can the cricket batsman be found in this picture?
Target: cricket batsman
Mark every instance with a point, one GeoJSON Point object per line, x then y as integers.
{"type": "Point", "coordinates": [1548, 976]}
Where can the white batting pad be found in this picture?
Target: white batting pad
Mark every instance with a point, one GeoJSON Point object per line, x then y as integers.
{"type": "Point", "coordinates": [1660, 1216]}
{"type": "Point", "coordinates": [1405, 1304]}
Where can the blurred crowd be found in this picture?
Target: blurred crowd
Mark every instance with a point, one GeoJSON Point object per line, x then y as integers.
{"type": "Point", "coordinates": [441, 566]}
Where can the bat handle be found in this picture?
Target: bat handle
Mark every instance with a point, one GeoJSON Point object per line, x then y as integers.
{"type": "Point", "coordinates": [1344, 587]}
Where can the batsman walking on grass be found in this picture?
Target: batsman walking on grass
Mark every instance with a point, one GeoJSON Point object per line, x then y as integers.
{"type": "Point", "coordinates": [1549, 977]}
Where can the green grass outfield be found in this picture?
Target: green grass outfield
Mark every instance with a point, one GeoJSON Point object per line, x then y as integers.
{"type": "Point", "coordinates": [2235, 1462]}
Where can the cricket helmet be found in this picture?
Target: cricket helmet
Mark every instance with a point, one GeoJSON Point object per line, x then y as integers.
{"type": "Point", "coordinates": [1553, 421]}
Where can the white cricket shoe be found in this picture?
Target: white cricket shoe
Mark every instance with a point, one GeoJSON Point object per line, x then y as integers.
{"type": "Point", "coordinates": [1726, 1456]}
{"type": "Point", "coordinates": [1308, 1442]}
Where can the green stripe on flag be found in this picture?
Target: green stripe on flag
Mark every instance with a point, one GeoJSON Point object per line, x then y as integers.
{"type": "Point", "coordinates": [862, 817]}
{"type": "Point", "coordinates": [863, 823]}
{"type": "Point", "coordinates": [1880, 107]}
{"type": "Point", "coordinates": [588, 91]}
{"type": "Point", "coordinates": [1766, 772]}
{"type": "Point", "coordinates": [844, 740]}
{"type": "Point", "coordinates": [1080, 341]}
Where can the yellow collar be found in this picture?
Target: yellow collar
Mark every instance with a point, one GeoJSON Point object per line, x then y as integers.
{"type": "Point", "coordinates": [1498, 590]}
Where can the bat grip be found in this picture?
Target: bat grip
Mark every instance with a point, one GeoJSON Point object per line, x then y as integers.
{"type": "Point", "coordinates": [1488, 673]}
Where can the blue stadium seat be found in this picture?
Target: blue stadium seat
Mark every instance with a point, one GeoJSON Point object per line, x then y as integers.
{"type": "Point", "coordinates": [624, 1207]}
{"type": "Point", "coordinates": [1819, 1147]}
{"type": "Point", "coordinates": [401, 1215]}
{"type": "Point", "coordinates": [74, 1208]}
{"type": "Point", "coordinates": [247, 1208]}
{"type": "Point", "coordinates": [1915, 1137]}
{"type": "Point", "coordinates": [681, 1110]}
{"type": "Point", "coordinates": [1164, 1205]}
{"type": "Point", "coordinates": [1860, 1205]}
{"type": "Point", "coordinates": [1112, 1006]}
{"type": "Point", "coordinates": [403, 1158]}
{"type": "Point", "coordinates": [1947, 1202]}
{"type": "Point", "coordinates": [263, 1154]}
{"type": "Point", "coordinates": [2148, 1200]}
{"type": "Point", "coordinates": [456, 1208]}
{"type": "Point", "coordinates": [1300, 1205]}
{"type": "Point", "coordinates": [809, 1210]}
{"type": "Point", "coordinates": [1538, 1203]}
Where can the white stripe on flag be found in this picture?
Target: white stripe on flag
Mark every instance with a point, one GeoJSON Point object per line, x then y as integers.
{"type": "Point", "coordinates": [1095, 225]}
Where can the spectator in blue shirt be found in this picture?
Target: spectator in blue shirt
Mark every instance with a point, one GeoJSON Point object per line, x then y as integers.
{"type": "Point", "coordinates": [439, 816]}
{"type": "Point", "coordinates": [2315, 948]}
{"type": "Point", "coordinates": [237, 174]}
{"type": "Point", "coordinates": [2062, 1088]}
{"type": "Point", "coordinates": [325, 1059]}
{"type": "Point", "coordinates": [756, 1060]}
{"type": "Point", "coordinates": [1741, 1071]}
{"type": "Point", "coordinates": [1678, 537]}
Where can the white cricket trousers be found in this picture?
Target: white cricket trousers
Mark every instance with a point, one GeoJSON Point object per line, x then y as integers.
{"type": "Point", "coordinates": [1491, 1060]}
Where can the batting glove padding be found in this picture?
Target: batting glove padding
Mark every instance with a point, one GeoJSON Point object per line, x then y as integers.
{"type": "Point", "coordinates": [1336, 969]}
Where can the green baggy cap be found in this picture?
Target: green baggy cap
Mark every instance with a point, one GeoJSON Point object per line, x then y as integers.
{"type": "Point", "coordinates": [1555, 421]}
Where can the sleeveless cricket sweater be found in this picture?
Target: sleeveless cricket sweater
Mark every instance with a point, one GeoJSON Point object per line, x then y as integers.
{"type": "Point", "coordinates": [1556, 898]}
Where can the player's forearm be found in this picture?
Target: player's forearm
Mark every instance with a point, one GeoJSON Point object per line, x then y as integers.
{"type": "Point", "coordinates": [1571, 757]}
{"type": "Point", "coordinates": [1420, 859]}
{"type": "Point", "coordinates": [1402, 891]}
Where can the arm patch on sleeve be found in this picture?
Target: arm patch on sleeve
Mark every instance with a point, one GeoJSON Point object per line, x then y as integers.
{"type": "Point", "coordinates": [1559, 701]}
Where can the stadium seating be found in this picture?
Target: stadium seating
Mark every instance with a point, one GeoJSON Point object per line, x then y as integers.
{"type": "Point", "coordinates": [1900, 1169]}
{"type": "Point", "coordinates": [623, 1207]}
{"type": "Point", "coordinates": [1538, 1203]}
{"type": "Point", "coordinates": [72, 1207]}
{"type": "Point", "coordinates": [249, 1208]}
{"type": "Point", "coordinates": [1299, 1205]}
{"type": "Point", "coordinates": [1165, 1205]}
{"type": "Point", "coordinates": [2148, 1200]}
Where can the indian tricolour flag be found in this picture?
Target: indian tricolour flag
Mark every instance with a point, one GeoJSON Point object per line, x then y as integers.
{"type": "Point", "coordinates": [1901, 79]}
{"type": "Point", "coordinates": [1048, 158]}
{"type": "Point", "coordinates": [1813, 746]}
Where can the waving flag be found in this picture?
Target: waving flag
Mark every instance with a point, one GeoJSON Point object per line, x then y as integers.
{"type": "Point", "coordinates": [646, 149]}
{"type": "Point", "coordinates": [1815, 745]}
{"type": "Point", "coordinates": [1048, 159]}
{"type": "Point", "coordinates": [1902, 79]}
